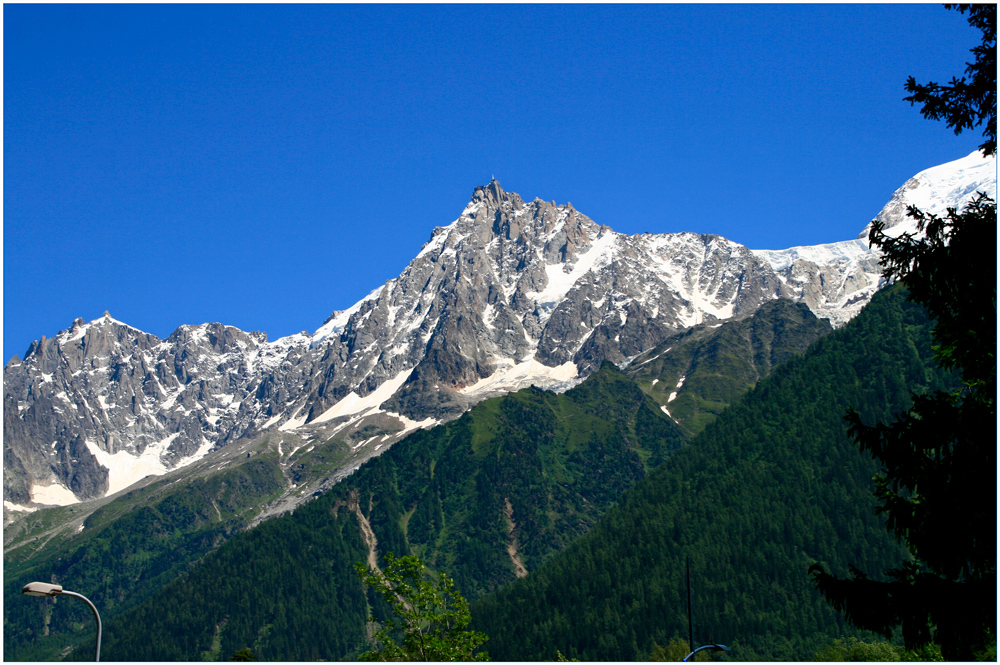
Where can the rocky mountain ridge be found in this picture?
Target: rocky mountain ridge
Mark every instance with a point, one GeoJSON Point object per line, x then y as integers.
{"type": "Point", "coordinates": [510, 294]}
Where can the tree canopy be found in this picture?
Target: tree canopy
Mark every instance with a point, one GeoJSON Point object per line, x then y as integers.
{"type": "Point", "coordinates": [432, 616]}
{"type": "Point", "coordinates": [937, 489]}
{"type": "Point", "coordinates": [967, 103]}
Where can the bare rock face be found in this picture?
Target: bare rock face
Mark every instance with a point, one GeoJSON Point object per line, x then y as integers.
{"type": "Point", "coordinates": [105, 387]}
{"type": "Point", "coordinates": [508, 295]}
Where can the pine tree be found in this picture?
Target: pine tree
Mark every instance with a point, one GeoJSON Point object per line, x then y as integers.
{"type": "Point", "coordinates": [938, 487]}
{"type": "Point", "coordinates": [967, 103]}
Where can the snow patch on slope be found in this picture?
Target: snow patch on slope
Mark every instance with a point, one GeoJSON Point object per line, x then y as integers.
{"type": "Point", "coordinates": [17, 507]}
{"type": "Point", "coordinates": [52, 495]}
{"type": "Point", "coordinates": [560, 282]}
{"type": "Point", "coordinates": [125, 468]}
{"type": "Point", "coordinates": [411, 425]}
{"type": "Point", "coordinates": [353, 403]}
{"type": "Point", "coordinates": [521, 375]}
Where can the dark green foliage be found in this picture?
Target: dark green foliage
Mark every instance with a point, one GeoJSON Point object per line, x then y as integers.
{"type": "Point", "coordinates": [543, 465]}
{"type": "Point", "coordinates": [967, 103]}
{"type": "Point", "coordinates": [127, 551]}
{"type": "Point", "coordinates": [772, 486]}
{"type": "Point", "coordinates": [517, 479]}
{"type": "Point", "coordinates": [279, 588]}
{"type": "Point", "coordinates": [430, 617]}
{"type": "Point", "coordinates": [719, 364]}
{"type": "Point", "coordinates": [854, 650]}
{"type": "Point", "coordinates": [675, 650]}
{"type": "Point", "coordinates": [938, 484]}
{"type": "Point", "coordinates": [531, 471]}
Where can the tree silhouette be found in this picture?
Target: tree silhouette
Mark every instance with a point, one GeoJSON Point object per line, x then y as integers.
{"type": "Point", "coordinates": [938, 487]}
{"type": "Point", "coordinates": [967, 103]}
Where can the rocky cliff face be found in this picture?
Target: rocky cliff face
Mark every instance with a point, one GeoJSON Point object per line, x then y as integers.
{"type": "Point", "coordinates": [105, 395]}
{"type": "Point", "coordinates": [509, 294]}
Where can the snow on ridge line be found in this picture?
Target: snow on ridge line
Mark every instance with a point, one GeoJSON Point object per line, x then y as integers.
{"type": "Point", "coordinates": [74, 333]}
{"type": "Point", "coordinates": [845, 250]}
{"type": "Point", "coordinates": [439, 236]}
{"type": "Point", "coordinates": [963, 177]}
{"type": "Point", "coordinates": [336, 324]}
{"type": "Point", "coordinates": [960, 178]}
{"type": "Point", "coordinates": [934, 190]}
{"type": "Point", "coordinates": [949, 185]}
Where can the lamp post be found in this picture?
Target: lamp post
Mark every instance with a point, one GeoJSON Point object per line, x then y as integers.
{"type": "Point", "coordinates": [713, 647]}
{"type": "Point", "coordinates": [42, 589]}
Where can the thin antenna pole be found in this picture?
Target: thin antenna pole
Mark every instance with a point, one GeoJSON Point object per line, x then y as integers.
{"type": "Point", "coordinates": [690, 611]}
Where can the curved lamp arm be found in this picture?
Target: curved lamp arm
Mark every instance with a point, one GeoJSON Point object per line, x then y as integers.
{"type": "Point", "coordinates": [43, 589]}
{"type": "Point", "coordinates": [713, 647]}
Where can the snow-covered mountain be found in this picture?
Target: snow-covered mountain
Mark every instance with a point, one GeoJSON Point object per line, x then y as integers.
{"type": "Point", "coordinates": [511, 293]}
{"type": "Point", "coordinates": [836, 279]}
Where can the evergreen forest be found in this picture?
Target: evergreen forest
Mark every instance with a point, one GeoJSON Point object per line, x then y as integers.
{"type": "Point", "coordinates": [565, 519]}
{"type": "Point", "coordinates": [771, 487]}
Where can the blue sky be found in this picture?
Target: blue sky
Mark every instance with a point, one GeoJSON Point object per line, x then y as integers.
{"type": "Point", "coordinates": [264, 165]}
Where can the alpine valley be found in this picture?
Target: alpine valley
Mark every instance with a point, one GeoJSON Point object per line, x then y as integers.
{"type": "Point", "coordinates": [526, 379]}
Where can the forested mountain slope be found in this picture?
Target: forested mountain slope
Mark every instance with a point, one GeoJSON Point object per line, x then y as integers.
{"type": "Point", "coordinates": [772, 486]}
{"type": "Point", "coordinates": [585, 447]}
{"type": "Point", "coordinates": [125, 551]}
{"type": "Point", "coordinates": [696, 374]}
{"type": "Point", "coordinates": [485, 498]}
{"type": "Point", "coordinates": [768, 489]}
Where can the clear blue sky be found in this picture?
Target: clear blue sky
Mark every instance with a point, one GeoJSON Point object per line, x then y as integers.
{"type": "Point", "coordinates": [264, 165]}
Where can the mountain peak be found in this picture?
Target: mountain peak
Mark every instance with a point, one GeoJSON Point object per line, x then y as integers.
{"type": "Point", "coordinates": [494, 196]}
{"type": "Point", "coordinates": [951, 185]}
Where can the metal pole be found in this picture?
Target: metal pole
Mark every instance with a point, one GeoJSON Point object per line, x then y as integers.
{"type": "Point", "coordinates": [97, 653]}
{"type": "Point", "coordinates": [713, 647]}
{"type": "Point", "coordinates": [690, 611]}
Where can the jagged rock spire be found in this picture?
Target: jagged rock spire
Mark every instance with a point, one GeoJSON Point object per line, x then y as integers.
{"type": "Point", "coordinates": [492, 194]}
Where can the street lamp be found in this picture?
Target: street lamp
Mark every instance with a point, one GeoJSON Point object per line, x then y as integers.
{"type": "Point", "coordinates": [43, 589]}
{"type": "Point", "coordinates": [713, 647]}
